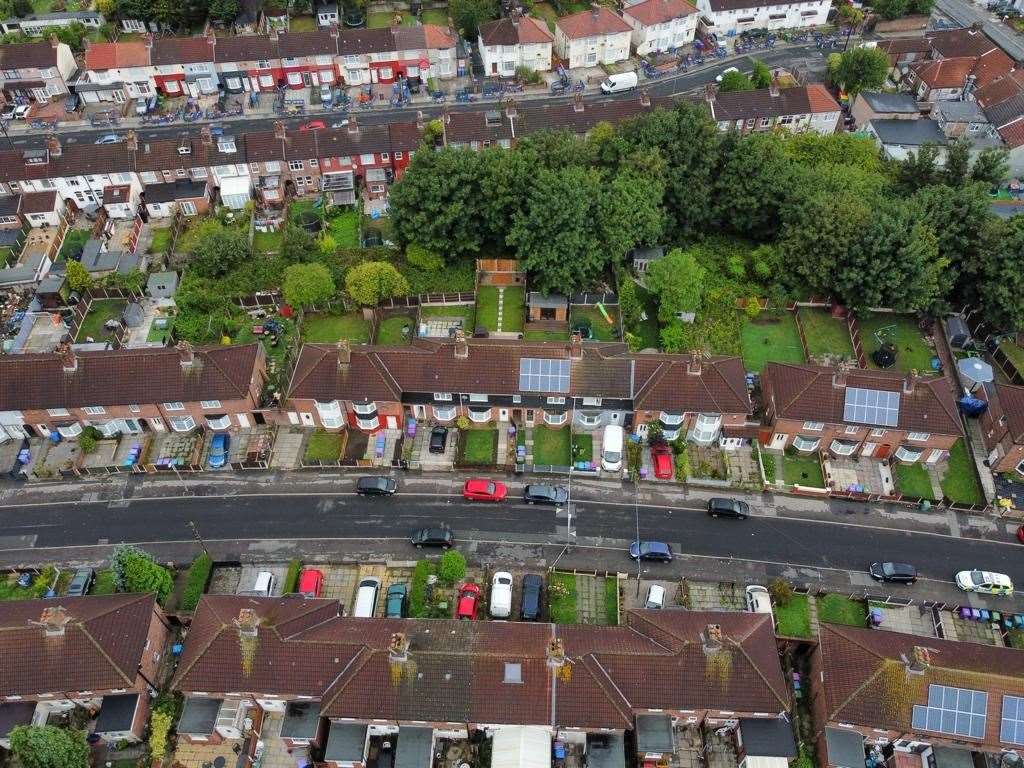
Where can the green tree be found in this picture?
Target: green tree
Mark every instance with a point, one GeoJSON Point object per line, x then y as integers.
{"type": "Point", "coordinates": [761, 76]}
{"type": "Point", "coordinates": [999, 283]}
{"type": "Point", "coordinates": [468, 15]}
{"type": "Point", "coordinates": [47, 746]}
{"type": "Point", "coordinates": [307, 284]}
{"type": "Point", "coordinates": [420, 257]}
{"type": "Point", "coordinates": [678, 282]}
{"type": "Point", "coordinates": [224, 10]}
{"type": "Point", "coordinates": [218, 249]}
{"type": "Point", "coordinates": [859, 69]}
{"type": "Point", "coordinates": [629, 302]}
{"type": "Point", "coordinates": [919, 169]}
{"type": "Point", "coordinates": [851, 16]}
{"type": "Point", "coordinates": [298, 245]}
{"type": "Point", "coordinates": [735, 81]}
{"type": "Point", "coordinates": [754, 183]}
{"type": "Point", "coordinates": [991, 166]}
{"type": "Point", "coordinates": [107, 7]}
{"type": "Point", "coordinates": [78, 276]}
{"type": "Point", "coordinates": [372, 281]}
{"type": "Point", "coordinates": [505, 182]}
{"type": "Point", "coordinates": [959, 218]}
{"type": "Point", "coordinates": [136, 571]}
{"type": "Point", "coordinates": [956, 169]}
{"type": "Point", "coordinates": [630, 209]}
{"type": "Point", "coordinates": [891, 9]}
{"type": "Point", "coordinates": [816, 150]}
{"type": "Point", "coordinates": [452, 566]}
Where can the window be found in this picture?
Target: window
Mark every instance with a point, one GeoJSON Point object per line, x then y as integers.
{"type": "Point", "coordinates": [841, 448]}
{"type": "Point", "coordinates": [909, 454]}
{"type": "Point", "coordinates": [671, 419]}
{"type": "Point", "coordinates": [313, 163]}
{"type": "Point", "coordinates": [765, 121]}
{"type": "Point", "coordinates": [918, 437]}
{"type": "Point", "coordinates": [70, 430]}
{"type": "Point", "coordinates": [94, 410]}
{"type": "Point", "coordinates": [207, 404]}
{"type": "Point", "coordinates": [877, 432]}
{"type": "Point", "coordinates": [385, 156]}
{"type": "Point", "coordinates": [786, 120]}
{"type": "Point", "coordinates": [706, 429]}
{"type": "Point", "coordinates": [555, 419]}
{"type": "Point", "coordinates": [199, 173]}
{"type": "Point", "coordinates": [556, 401]}
{"type": "Point", "coordinates": [188, 208]}
{"type": "Point", "coordinates": [516, 399]}
{"type": "Point", "coordinates": [295, 165]}
{"type": "Point", "coordinates": [750, 123]}
{"type": "Point", "coordinates": [852, 430]}
{"type": "Point", "coordinates": [444, 414]}
{"type": "Point", "coordinates": [368, 423]}
{"type": "Point", "coordinates": [174, 406]}
{"type": "Point", "coordinates": [480, 415]}
{"type": "Point", "coordinates": [588, 419]}
{"type": "Point", "coordinates": [478, 398]}
{"type": "Point", "coordinates": [226, 144]}
{"type": "Point", "coordinates": [802, 443]}
{"type": "Point", "coordinates": [367, 159]}
{"type": "Point", "coordinates": [134, 409]}
{"type": "Point", "coordinates": [442, 395]}
{"type": "Point", "coordinates": [591, 400]}
{"type": "Point", "coordinates": [813, 426]}
{"type": "Point", "coordinates": [399, 155]}
{"type": "Point", "coordinates": [364, 409]}
{"type": "Point", "coordinates": [58, 412]}
{"type": "Point", "coordinates": [182, 423]}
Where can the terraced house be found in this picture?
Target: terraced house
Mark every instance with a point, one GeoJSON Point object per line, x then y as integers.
{"type": "Point", "coordinates": [590, 384]}
{"type": "Point", "coordinates": [35, 71]}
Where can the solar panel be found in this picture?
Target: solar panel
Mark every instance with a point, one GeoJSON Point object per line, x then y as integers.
{"type": "Point", "coordinates": [872, 406]}
{"type": "Point", "coordinates": [543, 375]}
{"type": "Point", "coordinates": [957, 711]}
{"type": "Point", "coordinates": [1011, 727]}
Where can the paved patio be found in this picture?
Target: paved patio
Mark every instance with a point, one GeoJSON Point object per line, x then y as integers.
{"type": "Point", "coordinates": [289, 447]}
{"type": "Point", "coordinates": [422, 454]}
{"type": "Point", "coordinates": [910, 619]}
{"type": "Point", "coordinates": [175, 448]}
{"type": "Point", "coordinates": [861, 476]}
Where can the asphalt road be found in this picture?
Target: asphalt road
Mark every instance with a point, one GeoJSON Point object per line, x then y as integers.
{"type": "Point", "coordinates": [687, 82]}
{"type": "Point", "coordinates": [967, 13]}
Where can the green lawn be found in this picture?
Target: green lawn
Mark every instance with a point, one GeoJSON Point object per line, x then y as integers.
{"type": "Point", "coordinates": [328, 329]}
{"type": "Point", "coordinates": [583, 447]}
{"type": "Point", "coordinates": [343, 226]}
{"type": "Point", "coordinates": [7, 257]}
{"type": "Point", "coordinates": [298, 207]}
{"type": "Point", "coordinates": [770, 338]}
{"type": "Point", "coordinates": [562, 607]}
{"type": "Point", "coordinates": [836, 609]}
{"type": "Point", "coordinates": [512, 311]}
{"type": "Point", "coordinates": [382, 19]}
{"type": "Point", "coordinates": [323, 446]}
{"type": "Point", "coordinates": [390, 333]}
{"type": "Point", "coordinates": [466, 311]}
{"type": "Point", "coordinates": [161, 240]}
{"type": "Point", "coordinates": [487, 307]}
{"type": "Point", "coordinates": [802, 470]}
{"type": "Point", "coordinates": [1015, 353]}
{"type": "Point", "coordinates": [74, 242]}
{"type": "Point", "coordinates": [267, 242]}
{"type": "Point", "coordinates": [434, 16]}
{"type": "Point", "coordinates": [611, 600]}
{"type": "Point", "coordinates": [161, 334]}
{"type": "Point", "coordinates": [911, 351]}
{"type": "Point", "coordinates": [794, 618]}
{"type": "Point", "coordinates": [960, 483]}
{"type": "Point", "coordinates": [551, 446]}
{"type": "Point", "coordinates": [479, 445]}
{"type": "Point", "coordinates": [104, 583]}
{"type": "Point", "coordinates": [99, 312]}
{"type": "Point", "coordinates": [826, 335]}
{"type": "Point", "coordinates": [912, 480]}
{"type": "Point", "coordinates": [545, 336]}
{"type": "Point", "coordinates": [301, 24]}
{"type": "Point", "coordinates": [458, 276]}
{"type": "Point", "coordinates": [601, 329]}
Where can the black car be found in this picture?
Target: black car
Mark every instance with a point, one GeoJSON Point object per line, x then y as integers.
{"type": "Point", "coordinates": [81, 582]}
{"type": "Point", "coordinates": [438, 439]}
{"type": "Point", "coordinates": [376, 485]}
{"type": "Point", "coordinates": [533, 597]}
{"type": "Point", "coordinates": [900, 573]}
{"type": "Point", "coordinates": [545, 494]}
{"type": "Point", "coordinates": [720, 507]}
{"type": "Point", "coordinates": [440, 536]}
{"type": "Point", "coordinates": [654, 551]}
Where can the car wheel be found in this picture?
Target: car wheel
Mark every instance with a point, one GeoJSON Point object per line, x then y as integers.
{"type": "Point", "coordinates": [446, 547]}
{"type": "Point", "coordinates": [714, 514]}
{"type": "Point", "coordinates": [419, 546]}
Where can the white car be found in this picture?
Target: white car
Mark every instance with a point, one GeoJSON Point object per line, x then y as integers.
{"type": "Point", "coordinates": [985, 582]}
{"type": "Point", "coordinates": [501, 595]}
{"type": "Point", "coordinates": [724, 73]}
{"type": "Point", "coordinates": [655, 597]}
{"type": "Point", "coordinates": [16, 113]}
{"type": "Point", "coordinates": [759, 600]}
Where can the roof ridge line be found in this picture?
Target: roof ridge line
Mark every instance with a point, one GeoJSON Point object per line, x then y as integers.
{"type": "Point", "coordinates": [362, 656]}
{"type": "Point", "coordinates": [603, 678]}
{"type": "Point", "coordinates": [85, 631]}
{"type": "Point", "coordinates": [293, 384]}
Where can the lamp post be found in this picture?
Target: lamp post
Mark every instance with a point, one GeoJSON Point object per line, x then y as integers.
{"type": "Point", "coordinates": [197, 537]}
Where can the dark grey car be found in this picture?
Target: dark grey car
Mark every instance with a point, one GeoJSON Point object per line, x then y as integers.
{"type": "Point", "coordinates": [433, 537]}
{"type": "Point", "coordinates": [81, 582]}
{"type": "Point", "coordinates": [899, 573]}
{"type": "Point", "coordinates": [545, 494]}
{"type": "Point", "coordinates": [533, 597]}
{"type": "Point", "coordinates": [376, 485]}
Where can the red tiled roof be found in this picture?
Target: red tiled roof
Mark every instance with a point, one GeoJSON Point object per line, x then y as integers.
{"type": "Point", "coordinates": [1000, 89]}
{"type": "Point", "coordinates": [944, 73]}
{"type": "Point", "coordinates": [597, 21]}
{"type": "Point", "coordinates": [950, 43]}
{"type": "Point", "coordinates": [1009, 400]}
{"type": "Point", "coordinates": [100, 649]}
{"type": "Point", "coordinates": [812, 393]}
{"type": "Point", "coordinates": [39, 202]}
{"type": "Point", "coordinates": [509, 31]}
{"type": "Point", "coordinates": [651, 12]}
{"type": "Point", "coordinates": [747, 105]}
{"type": "Point", "coordinates": [100, 56]}
{"type": "Point", "coordinates": [437, 37]}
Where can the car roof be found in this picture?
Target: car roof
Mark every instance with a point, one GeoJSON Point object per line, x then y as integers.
{"type": "Point", "coordinates": [654, 546]}
{"type": "Point", "coordinates": [479, 483]}
{"type": "Point", "coordinates": [655, 589]}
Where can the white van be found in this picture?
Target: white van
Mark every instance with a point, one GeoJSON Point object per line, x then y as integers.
{"type": "Point", "coordinates": [611, 448]}
{"type": "Point", "coordinates": [624, 81]}
{"type": "Point", "coordinates": [759, 600]}
{"type": "Point", "coordinates": [366, 598]}
{"type": "Point", "coordinates": [501, 595]}
{"type": "Point", "coordinates": [264, 586]}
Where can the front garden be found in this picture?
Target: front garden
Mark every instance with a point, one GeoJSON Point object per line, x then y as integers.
{"type": "Point", "coordinates": [478, 447]}
{"type": "Point", "coordinates": [552, 447]}
{"type": "Point", "coordinates": [802, 470]}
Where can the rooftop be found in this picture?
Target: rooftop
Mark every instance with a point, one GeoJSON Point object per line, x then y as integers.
{"type": "Point", "coordinates": [509, 31]}
{"type": "Point", "coordinates": [599, 20]}
{"type": "Point", "coordinates": [895, 103]}
{"type": "Point", "coordinates": [747, 105]}
{"type": "Point", "coordinates": [651, 12]}
{"type": "Point", "coordinates": [908, 133]}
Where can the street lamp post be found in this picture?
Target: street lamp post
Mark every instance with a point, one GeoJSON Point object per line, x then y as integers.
{"type": "Point", "coordinates": [197, 537]}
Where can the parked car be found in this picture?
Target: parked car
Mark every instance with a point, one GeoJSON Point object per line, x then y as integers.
{"type": "Point", "coordinates": [655, 597]}
{"type": "Point", "coordinates": [108, 138]}
{"type": "Point", "coordinates": [376, 485]}
{"type": "Point", "coordinates": [325, 95]}
{"type": "Point", "coordinates": [438, 536]}
{"type": "Point", "coordinates": [725, 72]}
{"type": "Point", "coordinates": [759, 600]}
{"type": "Point", "coordinates": [663, 462]}
{"type": "Point", "coordinates": [539, 493]}
{"type": "Point", "coordinates": [612, 447]}
{"type": "Point", "coordinates": [313, 125]}
{"type": "Point", "coordinates": [985, 582]}
{"type": "Point", "coordinates": [438, 440]}
{"type": "Point", "coordinates": [533, 597]}
{"type": "Point", "coordinates": [15, 113]}
{"type": "Point", "coordinates": [481, 489]}
{"type": "Point", "coordinates": [657, 551]}
{"type": "Point", "coordinates": [366, 598]}
{"type": "Point", "coordinates": [900, 573]}
{"type": "Point", "coordinates": [218, 455]}
{"type": "Point", "coordinates": [81, 582]}
{"type": "Point", "coordinates": [501, 595]}
{"type": "Point", "coordinates": [468, 602]}
{"type": "Point", "coordinates": [1020, 534]}
{"type": "Point", "coordinates": [720, 507]}
{"type": "Point", "coordinates": [264, 586]}
{"type": "Point", "coordinates": [394, 605]}
{"type": "Point", "coordinates": [311, 582]}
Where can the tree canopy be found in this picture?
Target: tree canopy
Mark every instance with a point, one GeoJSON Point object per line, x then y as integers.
{"type": "Point", "coordinates": [372, 281]}
{"type": "Point", "coordinates": [307, 284]}
{"type": "Point", "coordinates": [859, 69]}
{"type": "Point", "coordinates": [735, 81]}
{"type": "Point", "coordinates": [48, 746]}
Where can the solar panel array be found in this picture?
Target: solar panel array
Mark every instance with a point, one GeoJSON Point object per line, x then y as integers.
{"type": "Point", "coordinates": [956, 711]}
{"type": "Point", "coordinates": [543, 375]}
{"type": "Point", "coordinates": [872, 406]}
{"type": "Point", "coordinates": [1011, 727]}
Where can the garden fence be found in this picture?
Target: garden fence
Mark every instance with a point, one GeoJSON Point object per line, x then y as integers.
{"type": "Point", "coordinates": [858, 345]}
{"type": "Point", "coordinates": [803, 336]}
{"type": "Point", "coordinates": [261, 300]}
{"type": "Point", "coordinates": [590, 299]}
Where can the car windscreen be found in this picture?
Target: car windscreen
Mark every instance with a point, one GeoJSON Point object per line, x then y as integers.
{"type": "Point", "coordinates": [612, 456]}
{"type": "Point", "coordinates": [888, 569]}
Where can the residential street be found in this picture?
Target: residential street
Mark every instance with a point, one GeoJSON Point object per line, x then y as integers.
{"type": "Point", "coordinates": [967, 13]}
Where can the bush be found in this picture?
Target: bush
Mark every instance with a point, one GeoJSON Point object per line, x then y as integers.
{"type": "Point", "coordinates": [291, 579]}
{"type": "Point", "coordinates": [452, 566]}
{"type": "Point", "coordinates": [752, 307]}
{"type": "Point", "coordinates": [463, 423]}
{"type": "Point", "coordinates": [768, 466]}
{"type": "Point", "coordinates": [418, 591]}
{"type": "Point", "coordinates": [781, 591]}
{"type": "Point", "coordinates": [423, 258]}
{"type": "Point", "coordinates": [736, 266]}
{"type": "Point", "coordinates": [195, 581]}
{"type": "Point", "coordinates": [87, 443]}
{"type": "Point", "coordinates": [137, 571]}
{"type": "Point", "coordinates": [529, 76]}
{"type": "Point", "coordinates": [159, 728]}
{"type": "Point", "coordinates": [682, 466]}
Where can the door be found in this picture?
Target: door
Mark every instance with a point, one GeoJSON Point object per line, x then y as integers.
{"type": "Point", "coordinates": [392, 422]}
{"type": "Point", "coordinates": [529, 417]}
{"type": "Point", "coordinates": [307, 79]}
{"type": "Point", "coordinates": [132, 426]}
{"type": "Point", "coordinates": [119, 97]}
{"type": "Point", "coordinates": [307, 419]}
{"type": "Point", "coordinates": [157, 424]}
{"type": "Point", "coordinates": [868, 449]}
{"type": "Point", "coordinates": [778, 441]}
{"type": "Point", "coordinates": [494, 67]}
{"type": "Point", "coordinates": [503, 414]}
{"type": "Point", "coordinates": [243, 420]}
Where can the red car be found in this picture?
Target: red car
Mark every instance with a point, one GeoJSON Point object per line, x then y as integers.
{"type": "Point", "coordinates": [1020, 534]}
{"type": "Point", "coordinates": [468, 602]}
{"type": "Point", "coordinates": [661, 458]}
{"type": "Point", "coordinates": [311, 582]}
{"type": "Point", "coordinates": [481, 489]}
{"type": "Point", "coordinates": [313, 125]}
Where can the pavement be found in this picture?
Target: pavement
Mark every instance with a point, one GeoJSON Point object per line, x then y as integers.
{"type": "Point", "coordinates": [789, 57]}
{"type": "Point", "coordinates": [316, 516]}
{"type": "Point", "coordinates": [967, 13]}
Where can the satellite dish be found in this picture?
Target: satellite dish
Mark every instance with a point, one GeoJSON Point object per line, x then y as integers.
{"type": "Point", "coordinates": [976, 369]}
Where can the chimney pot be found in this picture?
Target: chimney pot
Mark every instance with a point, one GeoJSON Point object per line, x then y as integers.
{"type": "Point", "coordinates": [53, 145]}
{"type": "Point", "coordinates": [185, 353]}
{"type": "Point", "coordinates": [132, 141]}
{"type": "Point", "coordinates": [273, 34]}
{"type": "Point", "coordinates": [773, 88]}
{"type": "Point", "coordinates": [353, 124]}
{"type": "Point", "coordinates": [398, 647]}
{"type": "Point", "coordinates": [577, 102]}
{"type": "Point", "coordinates": [248, 622]}
{"type": "Point", "coordinates": [693, 365]}
{"type": "Point", "coordinates": [712, 639]}
{"type": "Point", "coordinates": [280, 130]}
{"type": "Point", "coordinates": [344, 353]}
{"type": "Point", "coordinates": [461, 345]}
{"type": "Point", "coordinates": [920, 660]}
{"type": "Point", "coordinates": [910, 382]}
{"type": "Point", "coordinates": [556, 652]}
{"type": "Point", "coordinates": [206, 136]}
{"type": "Point", "coordinates": [53, 620]}
{"type": "Point", "coordinates": [68, 359]}
{"type": "Point", "coordinates": [645, 97]}
{"type": "Point", "coordinates": [576, 346]}
{"type": "Point", "coordinates": [419, 120]}
{"type": "Point", "coordinates": [54, 42]}
{"type": "Point", "coordinates": [510, 109]}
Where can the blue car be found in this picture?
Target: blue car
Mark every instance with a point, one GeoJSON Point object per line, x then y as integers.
{"type": "Point", "coordinates": [218, 451]}
{"type": "Point", "coordinates": [657, 551]}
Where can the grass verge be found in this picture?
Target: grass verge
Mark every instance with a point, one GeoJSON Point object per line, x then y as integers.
{"type": "Point", "coordinates": [837, 609]}
{"type": "Point", "coordinates": [794, 618]}
{"type": "Point", "coordinates": [562, 598]}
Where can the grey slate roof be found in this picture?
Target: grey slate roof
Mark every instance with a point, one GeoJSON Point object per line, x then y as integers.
{"type": "Point", "coordinates": [1006, 111]}
{"type": "Point", "coordinates": [960, 111]}
{"type": "Point", "coordinates": [910, 133]}
{"type": "Point", "coordinates": [654, 733]}
{"type": "Point", "coordinates": [117, 713]}
{"type": "Point", "coordinates": [768, 737]}
{"type": "Point", "coordinates": [414, 747]}
{"type": "Point", "coordinates": [896, 103]}
{"type": "Point", "coordinates": [345, 743]}
{"type": "Point", "coordinates": [199, 715]}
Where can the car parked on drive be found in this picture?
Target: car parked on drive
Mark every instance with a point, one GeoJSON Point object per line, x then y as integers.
{"type": "Point", "coordinates": [482, 489]}
{"type": "Point", "coordinates": [438, 440]}
{"type": "Point", "coordinates": [468, 602]}
{"type": "Point", "coordinates": [655, 597]}
{"type": "Point", "coordinates": [656, 551]}
{"type": "Point", "coordinates": [81, 582]}
{"type": "Point", "coordinates": [899, 573]}
{"type": "Point", "coordinates": [542, 493]}
{"type": "Point", "coordinates": [722, 507]}
{"type": "Point", "coordinates": [311, 582]}
{"type": "Point", "coordinates": [533, 597]}
{"type": "Point", "coordinates": [376, 485]}
{"type": "Point", "coordinates": [434, 536]}
{"type": "Point", "coordinates": [218, 455]}
{"type": "Point", "coordinates": [394, 604]}
{"type": "Point", "coordinates": [663, 462]}
{"type": "Point", "coordinates": [501, 595]}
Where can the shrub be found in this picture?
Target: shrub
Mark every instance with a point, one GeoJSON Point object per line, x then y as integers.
{"type": "Point", "coordinates": [682, 466]}
{"type": "Point", "coordinates": [529, 76]}
{"type": "Point", "coordinates": [137, 571]}
{"type": "Point", "coordinates": [768, 466]}
{"type": "Point", "coordinates": [423, 258]}
{"type": "Point", "coordinates": [418, 592]}
{"type": "Point", "coordinates": [736, 266]}
{"type": "Point", "coordinates": [781, 591]}
{"type": "Point", "coordinates": [291, 579]}
{"type": "Point", "coordinates": [753, 307]}
{"type": "Point", "coordinates": [452, 566]}
{"type": "Point", "coordinates": [195, 581]}
{"type": "Point", "coordinates": [463, 423]}
{"type": "Point", "coordinates": [159, 728]}
{"type": "Point", "coordinates": [87, 443]}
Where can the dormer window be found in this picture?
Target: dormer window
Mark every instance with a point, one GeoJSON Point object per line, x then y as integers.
{"type": "Point", "coordinates": [226, 144]}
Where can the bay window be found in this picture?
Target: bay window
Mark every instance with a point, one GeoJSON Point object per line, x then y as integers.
{"type": "Point", "coordinates": [805, 444]}
{"type": "Point", "coordinates": [444, 413]}
{"type": "Point", "coordinates": [363, 409]}
{"type": "Point", "coordinates": [368, 424]}
{"type": "Point", "coordinates": [554, 419]}
{"type": "Point", "coordinates": [70, 430]}
{"type": "Point", "coordinates": [182, 423]}
{"type": "Point", "coordinates": [218, 422]}
{"type": "Point", "coordinates": [480, 415]}
{"type": "Point", "coordinates": [330, 414]}
{"type": "Point", "coordinates": [908, 454]}
{"type": "Point", "coordinates": [109, 428]}
{"type": "Point", "coordinates": [841, 448]}
{"type": "Point", "coordinates": [706, 430]}
{"type": "Point", "coordinates": [588, 419]}
{"type": "Point", "coordinates": [671, 419]}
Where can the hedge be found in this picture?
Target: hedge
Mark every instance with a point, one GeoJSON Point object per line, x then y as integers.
{"type": "Point", "coordinates": [195, 581]}
{"type": "Point", "coordinates": [418, 593]}
{"type": "Point", "coordinates": [291, 579]}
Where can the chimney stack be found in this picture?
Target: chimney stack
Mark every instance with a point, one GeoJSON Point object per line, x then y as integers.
{"type": "Point", "coordinates": [645, 97]}
{"type": "Point", "coordinates": [132, 141]}
{"type": "Point", "coordinates": [398, 648]}
{"type": "Point", "coordinates": [919, 661]}
{"type": "Point", "coordinates": [576, 346]}
{"type": "Point", "coordinates": [461, 345]}
{"type": "Point", "coordinates": [273, 35]}
{"type": "Point", "coordinates": [206, 136]}
{"type": "Point", "coordinates": [335, 34]}
{"type": "Point", "coordinates": [510, 109]}
{"type": "Point", "coordinates": [54, 42]}
{"type": "Point", "coordinates": [68, 360]}
{"type": "Point", "coordinates": [53, 145]}
{"type": "Point", "coordinates": [594, 12]}
{"type": "Point", "coordinates": [280, 130]}
{"type": "Point", "coordinates": [839, 377]}
{"type": "Point", "coordinates": [693, 365]}
{"type": "Point", "coordinates": [556, 653]}
{"type": "Point", "coordinates": [709, 93]}
{"type": "Point", "coordinates": [344, 353]}
{"type": "Point", "coordinates": [54, 620]}
{"type": "Point", "coordinates": [910, 382]}
{"type": "Point", "coordinates": [185, 354]}
{"type": "Point", "coordinates": [445, 114]}
{"type": "Point", "coordinates": [712, 639]}
{"type": "Point", "coordinates": [353, 124]}
{"type": "Point", "coordinates": [248, 623]}
{"type": "Point", "coordinates": [577, 102]}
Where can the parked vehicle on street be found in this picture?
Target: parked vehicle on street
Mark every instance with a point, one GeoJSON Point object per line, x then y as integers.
{"type": "Point", "coordinates": [663, 462]}
{"type": "Point", "coordinates": [109, 138]}
{"type": "Point", "coordinates": [655, 597]}
{"type": "Point", "coordinates": [1020, 534]}
{"type": "Point", "coordinates": [394, 605]}
{"type": "Point", "coordinates": [501, 595]}
{"type": "Point", "coordinates": [218, 455]}
{"type": "Point", "coordinates": [725, 72]}
{"type": "Point", "coordinates": [438, 440]}
{"type": "Point", "coordinates": [468, 602]}
{"type": "Point", "coordinates": [985, 582]}
{"type": "Point", "coordinates": [313, 125]}
{"type": "Point", "coordinates": [366, 597]}
{"type": "Point", "coordinates": [481, 489]}
{"type": "Point", "coordinates": [722, 507]}
{"type": "Point", "coordinates": [657, 551]}
{"type": "Point", "coordinates": [623, 81]}
{"type": "Point", "coordinates": [81, 582]}
{"type": "Point", "coordinates": [899, 573]}
{"type": "Point", "coordinates": [19, 112]}
{"type": "Point", "coordinates": [533, 597]}
{"type": "Point", "coordinates": [612, 443]}
{"type": "Point", "coordinates": [436, 536]}
{"type": "Point", "coordinates": [376, 485]}
{"type": "Point", "coordinates": [539, 493]}
{"type": "Point", "coordinates": [311, 582]}
{"type": "Point", "coordinates": [759, 600]}
{"type": "Point", "coordinates": [265, 583]}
